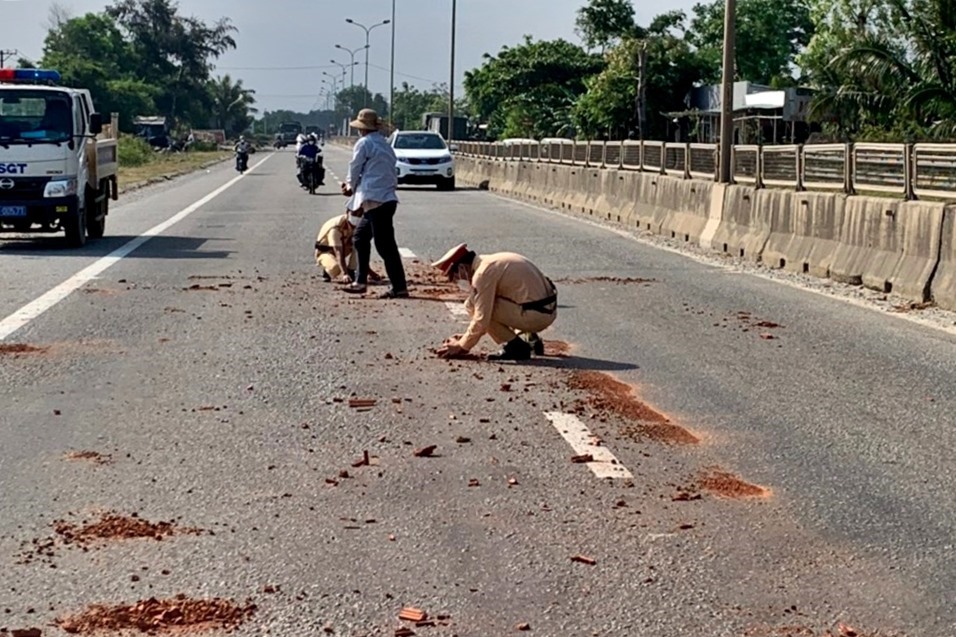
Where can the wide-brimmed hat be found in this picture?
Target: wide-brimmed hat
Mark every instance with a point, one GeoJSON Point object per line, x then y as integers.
{"type": "Point", "coordinates": [451, 258]}
{"type": "Point", "coordinates": [367, 120]}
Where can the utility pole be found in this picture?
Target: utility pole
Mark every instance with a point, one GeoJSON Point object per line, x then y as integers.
{"type": "Point", "coordinates": [642, 90]}
{"type": "Point", "coordinates": [368, 45]}
{"type": "Point", "coordinates": [4, 54]}
{"type": "Point", "coordinates": [727, 94]}
{"type": "Point", "coordinates": [451, 83]}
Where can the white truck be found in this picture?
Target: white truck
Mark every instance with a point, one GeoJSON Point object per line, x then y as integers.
{"type": "Point", "coordinates": [57, 166]}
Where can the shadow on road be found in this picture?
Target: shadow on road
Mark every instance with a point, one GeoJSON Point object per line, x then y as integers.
{"type": "Point", "coordinates": [158, 247]}
{"type": "Point", "coordinates": [581, 363]}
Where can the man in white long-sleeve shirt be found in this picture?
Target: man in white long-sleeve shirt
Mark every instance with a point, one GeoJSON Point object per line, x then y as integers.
{"type": "Point", "coordinates": [372, 182]}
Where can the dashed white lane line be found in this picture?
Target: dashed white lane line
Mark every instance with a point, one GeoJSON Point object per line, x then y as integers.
{"type": "Point", "coordinates": [457, 310]}
{"type": "Point", "coordinates": [406, 253]}
{"type": "Point", "coordinates": [22, 317]}
{"type": "Point", "coordinates": [605, 465]}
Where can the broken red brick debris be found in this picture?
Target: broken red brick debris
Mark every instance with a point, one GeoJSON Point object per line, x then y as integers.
{"type": "Point", "coordinates": [90, 456]}
{"type": "Point", "coordinates": [581, 559]}
{"type": "Point", "coordinates": [364, 461]}
{"type": "Point", "coordinates": [25, 632]}
{"type": "Point", "coordinates": [16, 349]}
{"type": "Point", "coordinates": [556, 349]}
{"type": "Point", "coordinates": [362, 403]}
{"type": "Point", "coordinates": [583, 458]}
{"type": "Point", "coordinates": [607, 395]}
{"type": "Point", "coordinates": [113, 526]}
{"type": "Point", "coordinates": [523, 626]}
{"type": "Point", "coordinates": [606, 279]}
{"type": "Point", "coordinates": [159, 616]}
{"type": "Point", "coordinates": [411, 614]}
{"type": "Point", "coordinates": [727, 485]}
{"type": "Point", "coordinates": [425, 452]}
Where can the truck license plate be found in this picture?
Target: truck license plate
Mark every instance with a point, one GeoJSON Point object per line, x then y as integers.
{"type": "Point", "coordinates": [13, 211]}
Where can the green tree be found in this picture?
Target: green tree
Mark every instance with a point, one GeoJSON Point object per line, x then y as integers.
{"type": "Point", "coordinates": [892, 74]}
{"type": "Point", "coordinates": [412, 103]}
{"type": "Point", "coordinates": [672, 67]}
{"type": "Point", "coordinates": [600, 23]}
{"type": "Point", "coordinates": [349, 101]}
{"type": "Point", "coordinates": [91, 52]}
{"type": "Point", "coordinates": [530, 89]}
{"type": "Point", "coordinates": [172, 52]}
{"type": "Point", "coordinates": [770, 34]}
{"type": "Point", "coordinates": [232, 103]}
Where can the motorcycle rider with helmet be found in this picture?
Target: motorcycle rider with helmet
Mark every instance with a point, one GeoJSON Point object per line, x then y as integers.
{"type": "Point", "coordinates": [242, 149]}
{"type": "Point", "coordinates": [311, 153]}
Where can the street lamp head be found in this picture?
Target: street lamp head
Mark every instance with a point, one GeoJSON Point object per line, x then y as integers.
{"type": "Point", "coordinates": [387, 22]}
{"type": "Point", "coordinates": [350, 20]}
{"type": "Point", "coordinates": [339, 46]}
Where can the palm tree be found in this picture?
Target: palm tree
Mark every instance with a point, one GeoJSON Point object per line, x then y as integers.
{"type": "Point", "coordinates": [232, 104]}
{"type": "Point", "coordinates": [904, 79]}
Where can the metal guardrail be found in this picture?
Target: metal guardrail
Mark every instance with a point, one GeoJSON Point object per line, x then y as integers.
{"type": "Point", "coordinates": [907, 170]}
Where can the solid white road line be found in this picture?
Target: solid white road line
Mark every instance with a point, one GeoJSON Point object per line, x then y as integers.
{"type": "Point", "coordinates": [406, 253]}
{"type": "Point", "coordinates": [22, 317]}
{"type": "Point", "coordinates": [605, 465]}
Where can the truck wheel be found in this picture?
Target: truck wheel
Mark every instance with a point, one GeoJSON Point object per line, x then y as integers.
{"type": "Point", "coordinates": [96, 226]}
{"type": "Point", "coordinates": [76, 229]}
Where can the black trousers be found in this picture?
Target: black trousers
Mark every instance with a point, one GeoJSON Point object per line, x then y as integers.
{"type": "Point", "coordinates": [379, 224]}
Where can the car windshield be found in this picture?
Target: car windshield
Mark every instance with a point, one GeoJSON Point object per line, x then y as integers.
{"type": "Point", "coordinates": [35, 116]}
{"type": "Point", "coordinates": [423, 141]}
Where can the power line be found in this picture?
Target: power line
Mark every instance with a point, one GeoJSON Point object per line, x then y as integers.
{"type": "Point", "coordinates": [5, 53]}
{"type": "Point", "coordinates": [273, 68]}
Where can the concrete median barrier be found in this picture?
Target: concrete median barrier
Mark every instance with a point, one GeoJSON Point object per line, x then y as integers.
{"type": "Point", "coordinates": [881, 243]}
{"type": "Point", "coordinates": [889, 245]}
{"type": "Point", "coordinates": [943, 286]}
{"type": "Point", "coordinates": [744, 226]}
{"type": "Point", "coordinates": [805, 229]}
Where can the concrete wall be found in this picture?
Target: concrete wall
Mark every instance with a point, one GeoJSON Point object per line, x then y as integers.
{"type": "Point", "coordinates": [908, 248]}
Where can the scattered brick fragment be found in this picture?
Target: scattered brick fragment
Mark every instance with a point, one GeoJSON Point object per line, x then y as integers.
{"type": "Point", "coordinates": [523, 626]}
{"type": "Point", "coordinates": [412, 614]}
{"type": "Point", "coordinates": [26, 632]}
{"type": "Point", "coordinates": [584, 560]}
{"type": "Point", "coordinates": [581, 459]}
{"type": "Point", "coordinates": [159, 616]}
{"type": "Point", "coordinates": [425, 452]}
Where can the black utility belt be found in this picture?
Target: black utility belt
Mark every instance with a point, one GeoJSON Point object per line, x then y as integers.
{"type": "Point", "coordinates": [541, 306]}
{"type": "Point", "coordinates": [324, 249]}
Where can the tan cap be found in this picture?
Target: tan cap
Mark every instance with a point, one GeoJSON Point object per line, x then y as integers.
{"type": "Point", "coordinates": [367, 120]}
{"type": "Point", "coordinates": [451, 258]}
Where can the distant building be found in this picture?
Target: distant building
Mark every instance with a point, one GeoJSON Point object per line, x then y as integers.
{"type": "Point", "coordinates": [762, 115]}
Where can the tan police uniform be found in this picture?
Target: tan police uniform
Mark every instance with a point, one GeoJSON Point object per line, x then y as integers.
{"type": "Point", "coordinates": [509, 295]}
{"type": "Point", "coordinates": [336, 233]}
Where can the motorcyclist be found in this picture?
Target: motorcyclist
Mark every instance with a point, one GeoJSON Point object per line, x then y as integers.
{"type": "Point", "coordinates": [243, 148]}
{"type": "Point", "coordinates": [311, 151]}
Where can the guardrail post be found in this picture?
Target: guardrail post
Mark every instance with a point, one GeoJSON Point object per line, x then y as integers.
{"type": "Point", "coordinates": [909, 172]}
{"type": "Point", "coordinates": [849, 169]}
{"type": "Point", "coordinates": [686, 160]}
{"type": "Point", "coordinates": [620, 155]}
{"type": "Point", "coordinates": [716, 163]}
{"type": "Point", "coordinates": [640, 156]}
{"type": "Point", "coordinates": [758, 167]}
{"type": "Point", "coordinates": [801, 163]}
{"type": "Point", "coordinates": [603, 154]}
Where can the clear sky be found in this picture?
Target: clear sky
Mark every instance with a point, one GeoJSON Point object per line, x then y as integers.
{"type": "Point", "coordinates": [296, 33]}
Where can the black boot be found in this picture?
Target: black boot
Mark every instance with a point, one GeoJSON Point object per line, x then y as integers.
{"type": "Point", "coordinates": [517, 349]}
{"type": "Point", "coordinates": [326, 277]}
{"type": "Point", "coordinates": [537, 345]}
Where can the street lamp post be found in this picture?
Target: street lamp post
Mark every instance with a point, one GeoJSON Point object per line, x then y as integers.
{"type": "Point", "coordinates": [368, 45]}
{"type": "Point", "coordinates": [727, 94]}
{"type": "Point", "coordinates": [451, 82]}
{"type": "Point", "coordinates": [391, 73]}
{"type": "Point", "coordinates": [351, 53]}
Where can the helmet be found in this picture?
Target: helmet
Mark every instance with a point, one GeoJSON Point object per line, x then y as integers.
{"type": "Point", "coordinates": [313, 137]}
{"type": "Point", "coordinates": [242, 138]}
{"type": "Point", "coordinates": [300, 138]}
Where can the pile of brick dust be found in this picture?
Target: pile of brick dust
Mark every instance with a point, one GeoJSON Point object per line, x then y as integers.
{"type": "Point", "coordinates": [179, 615]}
{"type": "Point", "coordinates": [20, 348]}
{"type": "Point", "coordinates": [113, 526]}
{"type": "Point", "coordinates": [728, 485]}
{"type": "Point", "coordinates": [611, 396]}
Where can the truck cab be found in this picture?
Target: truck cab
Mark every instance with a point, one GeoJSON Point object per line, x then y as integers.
{"type": "Point", "coordinates": [57, 168]}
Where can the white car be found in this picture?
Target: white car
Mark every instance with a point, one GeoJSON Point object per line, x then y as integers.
{"type": "Point", "coordinates": [422, 157]}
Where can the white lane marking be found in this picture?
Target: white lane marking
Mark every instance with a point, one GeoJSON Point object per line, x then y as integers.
{"type": "Point", "coordinates": [457, 310]}
{"type": "Point", "coordinates": [22, 317]}
{"type": "Point", "coordinates": [711, 261]}
{"type": "Point", "coordinates": [581, 439]}
{"type": "Point", "coordinates": [406, 253]}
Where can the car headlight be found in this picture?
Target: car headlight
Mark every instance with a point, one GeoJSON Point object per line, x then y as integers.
{"type": "Point", "coordinates": [401, 158]}
{"type": "Point", "coordinates": [60, 188]}
{"type": "Point", "coordinates": [444, 159]}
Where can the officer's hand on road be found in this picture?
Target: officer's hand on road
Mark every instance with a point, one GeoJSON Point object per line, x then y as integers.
{"type": "Point", "coordinates": [451, 349]}
{"type": "Point", "coordinates": [346, 190]}
{"type": "Point", "coordinates": [345, 279]}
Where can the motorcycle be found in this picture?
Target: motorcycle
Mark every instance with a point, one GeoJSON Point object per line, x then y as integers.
{"type": "Point", "coordinates": [242, 161]}
{"type": "Point", "coordinates": [312, 173]}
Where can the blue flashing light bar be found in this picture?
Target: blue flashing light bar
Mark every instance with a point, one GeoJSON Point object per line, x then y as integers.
{"type": "Point", "coordinates": [29, 75]}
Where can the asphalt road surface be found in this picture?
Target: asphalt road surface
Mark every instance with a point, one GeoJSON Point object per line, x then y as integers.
{"type": "Point", "coordinates": [212, 369]}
